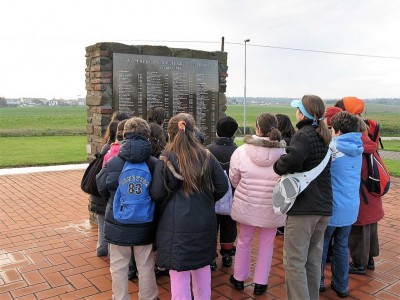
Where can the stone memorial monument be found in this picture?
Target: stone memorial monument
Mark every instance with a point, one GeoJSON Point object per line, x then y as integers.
{"type": "Point", "coordinates": [133, 79]}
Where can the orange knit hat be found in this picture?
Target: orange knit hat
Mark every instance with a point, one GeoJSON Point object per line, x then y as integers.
{"type": "Point", "coordinates": [353, 105]}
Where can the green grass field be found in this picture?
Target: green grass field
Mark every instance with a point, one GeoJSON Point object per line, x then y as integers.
{"type": "Point", "coordinates": [42, 121]}
{"type": "Point", "coordinates": [42, 151]}
{"type": "Point", "coordinates": [32, 136]}
{"type": "Point", "coordinates": [386, 115]}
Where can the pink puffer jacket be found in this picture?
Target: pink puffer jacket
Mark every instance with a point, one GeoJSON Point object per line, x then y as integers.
{"type": "Point", "coordinates": [251, 173]}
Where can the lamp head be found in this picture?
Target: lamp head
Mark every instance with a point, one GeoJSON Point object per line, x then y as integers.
{"type": "Point", "coordinates": [247, 40]}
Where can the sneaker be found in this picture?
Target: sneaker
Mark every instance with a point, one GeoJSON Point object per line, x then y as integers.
{"type": "Point", "coordinates": [214, 265]}
{"type": "Point", "coordinates": [132, 274]}
{"type": "Point", "coordinates": [340, 294]}
{"type": "Point", "coordinates": [161, 272]}
{"type": "Point", "coordinates": [356, 269]}
{"type": "Point", "coordinates": [239, 285]}
{"type": "Point", "coordinates": [227, 260]}
{"type": "Point", "coordinates": [371, 264]}
{"type": "Point", "coordinates": [260, 289]}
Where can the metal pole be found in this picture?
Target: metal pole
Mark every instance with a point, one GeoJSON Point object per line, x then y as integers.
{"type": "Point", "coordinates": [244, 100]}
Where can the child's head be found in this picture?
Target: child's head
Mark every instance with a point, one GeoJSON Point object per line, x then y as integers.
{"type": "Point", "coordinates": [267, 126]}
{"type": "Point", "coordinates": [329, 113]}
{"type": "Point", "coordinates": [181, 125]}
{"type": "Point", "coordinates": [226, 127]}
{"type": "Point", "coordinates": [353, 105]}
{"type": "Point", "coordinates": [156, 115]}
{"type": "Point", "coordinates": [157, 139]}
{"type": "Point", "coordinates": [285, 126]}
{"type": "Point", "coordinates": [312, 107]}
{"type": "Point", "coordinates": [119, 116]}
{"type": "Point", "coordinates": [111, 133]}
{"type": "Point", "coordinates": [120, 130]}
{"type": "Point", "coordinates": [345, 122]}
{"type": "Point", "coordinates": [190, 153]}
{"type": "Point", "coordinates": [137, 125]}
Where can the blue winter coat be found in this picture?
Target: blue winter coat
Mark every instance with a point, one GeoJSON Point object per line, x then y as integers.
{"type": "Point", "coordinates": [135, 148]}
{"type": "Point", "coordinates": [346, 173]}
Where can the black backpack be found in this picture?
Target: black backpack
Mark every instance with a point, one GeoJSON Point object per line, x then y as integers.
{"type": "Point", "coordinates": [88, 182]}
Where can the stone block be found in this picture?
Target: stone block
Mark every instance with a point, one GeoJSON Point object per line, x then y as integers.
{"type": "Point", "coordinates": [155, 50]}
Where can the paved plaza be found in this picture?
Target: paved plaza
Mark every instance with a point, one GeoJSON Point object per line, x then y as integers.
{"type": "Point", "coordinates": [47, 247]}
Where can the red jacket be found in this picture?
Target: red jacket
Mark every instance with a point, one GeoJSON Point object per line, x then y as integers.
{"type": "Point", "coordinates": [372, 211]}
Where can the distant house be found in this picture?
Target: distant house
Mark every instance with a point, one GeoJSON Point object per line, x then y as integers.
{"type": "Point", "coordinates": [13, 102]}
{"type": "Point", "coordinates": [53, 102]}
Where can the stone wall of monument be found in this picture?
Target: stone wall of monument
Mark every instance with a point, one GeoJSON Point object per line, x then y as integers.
{"type": "Point", "coordinates": [99, 82]}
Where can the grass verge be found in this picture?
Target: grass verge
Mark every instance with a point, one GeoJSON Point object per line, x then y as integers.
{"type": "Point", "coordinates": [42, 151]}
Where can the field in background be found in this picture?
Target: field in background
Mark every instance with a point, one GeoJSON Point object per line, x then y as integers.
{"type": "Point", "coordinates": [32, 136]}
{"type": "Point", "coordinates": [43, 121]}
{"type": "Point", "coordinates": [386, 115]}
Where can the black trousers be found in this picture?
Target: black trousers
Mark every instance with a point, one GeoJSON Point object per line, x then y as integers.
{"type": "Point", "coordinates": [363, 243]}
{"type": "Point", "coordinates": [227, 229]}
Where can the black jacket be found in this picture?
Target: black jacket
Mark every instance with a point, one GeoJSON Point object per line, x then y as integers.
{"type": "Point", "coordinates": [305, 152]}
{"type": "Point", "coordinates": [186, 234]}
{"type": "Point", "coordinates": [135, 148]}
{"type": "Point", "coordinates": [222, 149]}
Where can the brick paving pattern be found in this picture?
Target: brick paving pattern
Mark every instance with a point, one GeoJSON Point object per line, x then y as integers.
{"type": "Point", "coordinates": [47, 248]}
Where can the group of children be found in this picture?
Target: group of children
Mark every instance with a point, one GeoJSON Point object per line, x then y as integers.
{"type": "Point", "coordinates": [188, 178]}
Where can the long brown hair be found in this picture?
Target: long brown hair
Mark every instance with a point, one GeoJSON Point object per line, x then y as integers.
{"type": "Point", "coordinates": [267, 124]}
{"type": "Point", "coordinates": [191, 155]}
{"type": "Point", "coordinates": [316, 107]}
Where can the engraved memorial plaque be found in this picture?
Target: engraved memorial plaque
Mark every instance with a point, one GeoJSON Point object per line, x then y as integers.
{"type": "Point", "coordinates": [176, 84]}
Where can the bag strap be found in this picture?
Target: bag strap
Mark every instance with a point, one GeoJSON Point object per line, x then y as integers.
{"type": "Point", "coordinates": [313, 173]}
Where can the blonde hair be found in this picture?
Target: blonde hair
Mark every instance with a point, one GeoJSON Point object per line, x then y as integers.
{"type": "Point", "coordinates": [191, 155]}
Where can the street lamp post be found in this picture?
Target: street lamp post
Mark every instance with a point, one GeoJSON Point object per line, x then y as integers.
{"type": "Point", "coordinates": [244, 100]}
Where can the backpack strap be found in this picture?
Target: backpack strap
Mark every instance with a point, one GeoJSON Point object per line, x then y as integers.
{"type": "Point", "coordinates": [362, 192]}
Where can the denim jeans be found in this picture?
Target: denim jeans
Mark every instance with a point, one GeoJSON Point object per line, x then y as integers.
{"type": "Point", "coordinates": [340, 256]}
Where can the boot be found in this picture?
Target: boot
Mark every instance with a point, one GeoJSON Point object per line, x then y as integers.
{"type": "Point", "coordinates": [260, 289]}
{"type": "Point", "coordinates": [239, 285]}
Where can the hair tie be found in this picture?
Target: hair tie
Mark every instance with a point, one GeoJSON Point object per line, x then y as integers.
{"type": "Point", "coordinates": [315, 122]}
{"type": "Point", "coordinates": [181, 125]}
{"type": "Point", "coordinates": [271, 128]}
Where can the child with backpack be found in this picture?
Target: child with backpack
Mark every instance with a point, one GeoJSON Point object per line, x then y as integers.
{"type": "Point", "coordinates": [126, 179]}
{"type": "Point", "coordinates": [363, 238]}
{"type": "Point", "coordinates": [222, 148]}
{"type": "Point", "coordinates": [251, 173]}
{"type": "Point", "coordinates": [186, 182]}
{"type": "Point", "coordinates": [346, 161]}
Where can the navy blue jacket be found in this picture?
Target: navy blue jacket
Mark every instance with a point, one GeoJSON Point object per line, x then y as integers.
{"type": "Point", "coordinates": [135, 148]}
{"type": "Point", "coordinates": [187, 232]}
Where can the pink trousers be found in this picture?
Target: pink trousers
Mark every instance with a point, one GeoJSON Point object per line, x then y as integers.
{"type": "Point", "coordinates": [201, 282]}
{"type": "Point", "coordinates": [264, 256]}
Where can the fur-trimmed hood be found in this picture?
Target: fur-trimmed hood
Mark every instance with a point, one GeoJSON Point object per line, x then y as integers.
{"type": "Point", "coordinates": [263, 142]}
{"type": "Point", "coordinates": [262, 151]}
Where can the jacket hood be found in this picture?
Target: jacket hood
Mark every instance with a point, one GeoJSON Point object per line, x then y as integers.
{"type": "Point", "coordinates": [256, 150]}
{"type": "Point", "coordinates": [350, 143]}
{"type": "Point", "coordinates": [135, 148]}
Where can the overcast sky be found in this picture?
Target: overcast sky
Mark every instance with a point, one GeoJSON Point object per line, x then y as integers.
{"type": "Point", "coordinates": [43, 43]}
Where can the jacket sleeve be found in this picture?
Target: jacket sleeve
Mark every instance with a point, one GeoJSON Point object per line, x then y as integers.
{"type": "Point", "coordinates": [158, 190]}
{"type": "Point", "coordinates": [296, 154]}
{"type": "Point", "coordinates": [219, 179]}
{"type": "Point", "coordinates": [234, 172]}
{"type": "Point", "coordinates": [107, 179]}
{"type": "Point", "coordinates": [101, 183]}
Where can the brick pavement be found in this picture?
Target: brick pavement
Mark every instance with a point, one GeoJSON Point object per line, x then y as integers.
{"type": "Point", "coordinates": [47, 247]}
